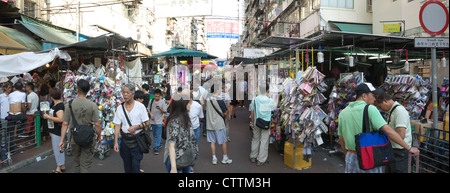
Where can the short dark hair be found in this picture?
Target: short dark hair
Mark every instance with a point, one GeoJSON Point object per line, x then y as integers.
{"type": "Point", "coordinates": [18, 86]}
{"type": "Point", "coordinates": [83, 86]}
{"type": "Point", "coordinates": [139, 95]}
{"type": "Point", "coordinates": [157, 91]}
{"type": "Point", "coordinates": [146, 87]}
{"type": "Point", "coordinates": [31, 85]}
{"type": "Point", "coordinates": [55, 93]}
{"type": "Point", "coordinates": [379, 98]}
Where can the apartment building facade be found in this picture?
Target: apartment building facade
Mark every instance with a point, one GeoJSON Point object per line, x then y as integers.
{"type": "Point", "coordinates": [307, 18]}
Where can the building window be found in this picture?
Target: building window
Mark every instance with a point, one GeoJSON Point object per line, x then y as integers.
{"type": "Point", "coordinates": [346, 4]}
{"type": "Point", "coordinates": [29, 8]}
{"type": "Point", "coordinates": [369, 6]}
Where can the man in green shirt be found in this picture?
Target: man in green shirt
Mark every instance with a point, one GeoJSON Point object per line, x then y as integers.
{"type": "Point", "coordinates": [398, 119]}
{"type": "Point", "coordinates": [350, 124]}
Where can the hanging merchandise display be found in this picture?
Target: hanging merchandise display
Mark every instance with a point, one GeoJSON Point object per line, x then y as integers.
{"type": "Point", "coordinates": [299, 116]}
{"type": "Point", "coordinates": [105, 92]}
{"type": "Point", "coordinates": [342, 94]}
{"type": "Point", "coordinates": [410, 91]}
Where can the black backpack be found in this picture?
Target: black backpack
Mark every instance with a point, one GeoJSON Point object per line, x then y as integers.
{"type": "Point", "coordinates": [82, 134]}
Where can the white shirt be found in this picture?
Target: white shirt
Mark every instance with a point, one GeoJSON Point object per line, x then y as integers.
{"type": "Point", "coordinates": [4, 105]}
{"type": "Point", "coordinates": [195, 112]}
{"type": "Point", "coordinates": [34, 100]}
{"type": "Point", "coordinates": [243, 86]}
{"type": "Point", "coordinates": [137, 116]}
{"type": "Point", "coordinates": [16, 97]}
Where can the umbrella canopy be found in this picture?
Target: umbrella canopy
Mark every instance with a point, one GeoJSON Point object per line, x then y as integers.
{"type": "Point", "coordinates": [204, 65]}
{"type": "Point", "coordinates": [179, 51]}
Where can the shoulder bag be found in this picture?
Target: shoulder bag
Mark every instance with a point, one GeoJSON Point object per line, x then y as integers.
{"type": "Point", "coordinates": [143, 139]}
{"type": "Point", "coordinates": [261, 123]}
{"type": "Point", "coordinates": [374, 148]}
{"type": "Point", "coordinates": [83, 135]}
{"type": "Point", "coordinates": [217, 110]}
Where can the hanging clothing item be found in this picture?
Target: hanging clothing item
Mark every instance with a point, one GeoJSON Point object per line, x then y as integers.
{"type": "Point", "coordinates": [133, 69]}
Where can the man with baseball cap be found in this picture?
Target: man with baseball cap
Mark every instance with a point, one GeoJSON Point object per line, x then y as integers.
{"type": "Point", "coordinates": [350, 124]}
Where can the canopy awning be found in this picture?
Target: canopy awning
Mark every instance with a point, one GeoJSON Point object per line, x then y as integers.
{"type": "Point", "coordinates": [9, 46]}
{"type": "Point", "coordinates": [182, 52]}
{"type": "Point", "coordinates": [15, 64]}
{"type": "Point", "coordinates": [280, 42]}
{"type": "Point", "coordinates": [101, 43]}
{"type": "Point", "coordinates": [50, 35]}
{"type": "Point", "coordinates": [21, 38]}
{"type": "Point", "coordinates": [354, 27]}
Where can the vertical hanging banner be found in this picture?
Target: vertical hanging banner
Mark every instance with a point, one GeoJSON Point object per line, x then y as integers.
{"type": "Point", "coordinates": [222, 29]}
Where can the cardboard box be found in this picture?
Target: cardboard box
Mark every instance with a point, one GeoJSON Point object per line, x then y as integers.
{"type": "Point", "coordinates": [289, 156]}
{"type": "Point", "coordinates": [420, 128]}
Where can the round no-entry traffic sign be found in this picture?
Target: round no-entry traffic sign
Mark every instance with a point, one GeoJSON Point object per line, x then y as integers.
{"type": "Point", "coordinates": [433, 17]}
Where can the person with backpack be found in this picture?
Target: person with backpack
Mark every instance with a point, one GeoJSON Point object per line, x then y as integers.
{"type": "Point", "coordinates": [81, 113]}
{"type": "Point", "coordinates": [351, 124]}
{"type": "Point", "coordinates": [129, 120]}
{"type": "Point", "coordinates": [398, 119]}
{"type": "Point", "coordinates": [181, 148]}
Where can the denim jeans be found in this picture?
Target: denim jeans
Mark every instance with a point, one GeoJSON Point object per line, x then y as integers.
{"type": "Point", "coordinates": [131, 158]}
{"type": "Point", "coordinates": [157, 131]}
{"type": "Point", "coordinates": [197, 134]}
{"type": "Point", "coordinates": [169, 166]}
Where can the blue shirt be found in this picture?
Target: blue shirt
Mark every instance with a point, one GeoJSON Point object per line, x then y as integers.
{"type": "Point", "coordinates": [264, 107]}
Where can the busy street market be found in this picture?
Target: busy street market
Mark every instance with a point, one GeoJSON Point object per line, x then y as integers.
{"type": "Point", "coordinates": [224, 86]}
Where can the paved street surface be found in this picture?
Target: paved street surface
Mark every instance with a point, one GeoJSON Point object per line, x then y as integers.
{"type": "Point", "coordinates": [238, 151]}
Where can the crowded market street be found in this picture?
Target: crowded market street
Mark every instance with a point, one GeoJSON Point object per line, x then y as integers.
{"type": "Point", "coordinates": [239, 149]}
{"type": "Point", "coordinates": [225, 89]}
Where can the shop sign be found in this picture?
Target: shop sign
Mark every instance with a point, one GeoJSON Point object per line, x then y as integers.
{"type": "Point", "coordinates": [390, 28]}
{"type": "Point", "coordinates": [431, 42]}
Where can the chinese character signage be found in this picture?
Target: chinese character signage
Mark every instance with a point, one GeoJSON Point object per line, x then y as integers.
{"type": "Point", "coordinates": [222, 29]}
{"type": "Point", "coordinates": [390, 28]}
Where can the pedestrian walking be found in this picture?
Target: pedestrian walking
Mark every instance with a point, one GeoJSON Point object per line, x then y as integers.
{"type": "Point", "coordinates": [145, 89]}
{"type": "Point", "coordinates": [216, 111]}
{"type": "Point", "coordinates": [260, 107]}
{"type": "Point", "coordinates": [195, 114]}
{"type": "Point", "coordinates": [225, 97]}
{"type": "Point", "coordinates": [54, 119]}
{"type": "Point", "coordinates": [398, 119]}
{"type": "Point", "coordinates": [167, 89]}
{"type": "Point", "coordinates": [350, 124]}
{"type": "Point", "coordinates": [181, 142]}
{"type": "Point", "coordinates": [156, 109]}
{"type": "Point", "coordinates": [85, 113]}
{"type": "Point", "coordinates": [132, 112]}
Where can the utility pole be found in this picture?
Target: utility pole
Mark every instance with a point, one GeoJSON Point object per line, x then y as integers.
{"type": "Point", "coordinates": [78, 22]}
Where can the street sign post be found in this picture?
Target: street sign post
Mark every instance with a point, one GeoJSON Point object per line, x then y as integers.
{"type": "Point", "coordinates": [433, 17]}
{"type": "Point", "coordinates": [431, 42]}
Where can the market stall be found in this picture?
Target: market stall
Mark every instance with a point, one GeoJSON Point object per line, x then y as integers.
{"type": "Point", "coordinates": [341, 95]}
{"type": "Point", "coordinates": [300, 118]}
